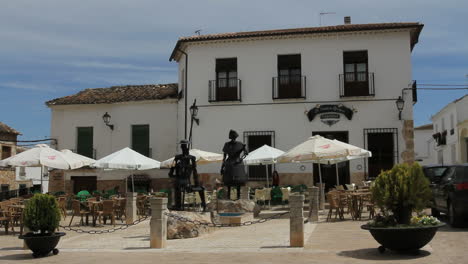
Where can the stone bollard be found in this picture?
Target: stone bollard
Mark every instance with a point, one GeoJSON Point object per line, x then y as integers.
{"type": "Point", "coordinates": [158, 222]}
{"type": "Point", "coordinates": [313, 204]}
{"type": "Point", "coordinates": [322, 195]}
{"type": "Point", "coordinates": [296, 220]}
{"type": "Point", "coordinates": [245, 191]}
{"type": "Point", "coordinates": [131, 208]}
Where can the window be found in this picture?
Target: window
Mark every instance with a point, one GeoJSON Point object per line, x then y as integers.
{"type": "Point", "coordinates": [356, 78]}
{"type": "Point", "coordinates": [254, 140]}
{"type": "Point", "coordinates": [84, 141]}
{"type": "Point", "coordinates": [226, 87]}
{"type": "Point", "coordinates": [452, 125]}
{"type": "Point", "coordinates": [289, 80]}
{"type": "Point", "coordinates": [6, 152]}
{"type": "Point", "coordinates": [140, 139]}
{"type": "Point", "coordinates": [5, 187]}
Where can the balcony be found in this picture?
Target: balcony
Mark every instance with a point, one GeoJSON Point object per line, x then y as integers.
{"type": "Point", "coordinates": [224, 89]}
{"type": "Point", "coordinates": [289, 87]}
{"type": "Point", "coordinates": [357, 84]}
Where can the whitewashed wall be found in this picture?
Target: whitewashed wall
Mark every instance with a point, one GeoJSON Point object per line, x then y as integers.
{"type": "Point", "coordinates": [322, 62]}
{"type": "Point", "coordinates": [424, 146]}
{"type": "Point", "coordinates": [160, 115]}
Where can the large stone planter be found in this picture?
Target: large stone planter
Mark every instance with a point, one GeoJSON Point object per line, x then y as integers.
{"type": "Point", "coordinates": [402, 239]}
{"type": "Point", "coordinates": [42, 245]}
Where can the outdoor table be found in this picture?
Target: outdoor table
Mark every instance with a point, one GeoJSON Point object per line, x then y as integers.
{"type": "Point", "coordinates": [356, 204]}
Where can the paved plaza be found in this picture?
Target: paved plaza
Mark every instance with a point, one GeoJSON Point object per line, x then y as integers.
{"type": "Point", "coordinates": [326, 242]}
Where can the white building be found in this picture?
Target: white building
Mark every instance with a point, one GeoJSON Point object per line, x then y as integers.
{"type": "Point", "coordinates": [451, 132]}
{"type": "Point", "coordinates": [263, 83]}
{"type": "Point", "coordinates": [275, 87]}
{"type": "Point", "coordinates": [424, 144]}
{"type": "Point", "coordinates": [141, 117]}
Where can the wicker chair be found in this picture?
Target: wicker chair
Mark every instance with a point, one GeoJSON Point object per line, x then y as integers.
{"type": "Point", "coordinates": [107, 211]}
{"type": "Point", "coordinates": [333, 201]}
{"type": "Point", "coordinates": [76, 208]}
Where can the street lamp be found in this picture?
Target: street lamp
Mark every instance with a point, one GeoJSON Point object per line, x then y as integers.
{"type": "Point", "coordinates": [193, 114]}
{"type": "Point", "coordinates": [400, 103]}
{"type": "Point", "coordinates": [107, 118]}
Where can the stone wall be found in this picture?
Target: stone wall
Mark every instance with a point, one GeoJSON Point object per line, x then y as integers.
{"type": "Point", "coordinates": [8, 176]}
{"type": "Point", "coordinates": [408, 136]}
{"type": "Point", "coordinates": [56, 181]}
{"type": "Point", "coordinates": [357, 178]}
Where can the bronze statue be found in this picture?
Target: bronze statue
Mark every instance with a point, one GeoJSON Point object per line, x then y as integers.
{"type": "Point", "coordinates": [185, 165]}
{"type": "Point", "coordinates": [232, 168]}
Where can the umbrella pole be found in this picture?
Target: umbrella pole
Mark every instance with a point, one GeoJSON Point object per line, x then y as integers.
{"type": "Point", "coordinates": [42, 175]}
{"type": "Point", "coordinates": [126, 184]}
{"type": "Point", "coordinates": [337, 176]}
{"type": "Point", "coordinates": [322, 193]}
{"type": "Point", "coordinates": [269, 201]}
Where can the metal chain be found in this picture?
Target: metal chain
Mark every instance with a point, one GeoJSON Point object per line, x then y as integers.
{"type": "Point", "coordinates": [112, 230]}
{"type": "Point", "coordinates": [247, 223]}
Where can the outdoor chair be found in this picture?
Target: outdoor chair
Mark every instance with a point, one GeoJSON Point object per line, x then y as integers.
{"type": "Point", "coordinates": [333, 202]}
{"type": "Point", "coordinates": [107, 211]}
{"type": "Point", "coordinates": [62, 202]}
{"type": "Point", "coordinates": [259, 196]}
{"type": "Point", "coordinates": [120, 208]}
{"type": "Point", "coordinates": [5, 217]}
{"type": "Point", "coordinates": [350, 187]}
{"type": "Point", "coordinates": [76, 211]}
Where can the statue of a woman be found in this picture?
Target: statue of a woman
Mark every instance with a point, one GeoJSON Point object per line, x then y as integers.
{"type": "Point", "coordinates": [232, 168]}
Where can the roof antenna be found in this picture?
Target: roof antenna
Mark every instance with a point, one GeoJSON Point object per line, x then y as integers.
{"type": "Point", "coordinates": [198, 32]}
{"type": "Point", "coordinates": [324, 13]}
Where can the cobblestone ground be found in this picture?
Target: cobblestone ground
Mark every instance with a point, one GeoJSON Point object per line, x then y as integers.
{"type": "Point", "coordinates": [332, 242]}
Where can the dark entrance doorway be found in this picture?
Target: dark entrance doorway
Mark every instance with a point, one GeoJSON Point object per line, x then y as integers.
{"type": "Point", "coordinates": [329, 171]}
{"type": "Point", "coordinates": [81, 183]}
{"type": "Point", "coordinates": [384, 154]}
{"type": "Point", "coordinates": [255, 140]}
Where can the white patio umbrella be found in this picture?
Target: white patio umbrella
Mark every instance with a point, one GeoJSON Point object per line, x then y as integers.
{"type": "Point", "coordinates": [202, 157]}
{"type": "Point", "coordinates": [127, 159]}
{"type": "Point", "coordinates": [85, 161]}
{"type": "Point", "coordinates": [42, 155]}
{"type": "Point", "coordinates": [263, 156]}
{"type": "Point", "coordinates": [318, 149]}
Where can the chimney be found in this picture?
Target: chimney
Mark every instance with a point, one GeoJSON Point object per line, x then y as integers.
{"type": "Point", "coordinates": [347, 20]}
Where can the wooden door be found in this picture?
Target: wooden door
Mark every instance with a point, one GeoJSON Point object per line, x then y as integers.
{"type": "Point", "coordinates": [81, 183]}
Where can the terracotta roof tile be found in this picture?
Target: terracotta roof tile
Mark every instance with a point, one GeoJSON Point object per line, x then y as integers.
{"type": "Point", "coordinates": [308, 30]}
{"type": "Point", "coordinates": [424, 127]}
{"type": "Point", "coordinates": [117, 94]}
{"type": "Point", "coordinates": [7, 129]}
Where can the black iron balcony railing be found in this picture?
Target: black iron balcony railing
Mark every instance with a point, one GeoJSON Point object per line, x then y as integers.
{"type": "Point", "coordinates": [357, 84]}
{"type": "Point", "coordinates": [289, 87]}
{"type": "Point", "coordinates": [224, 89]}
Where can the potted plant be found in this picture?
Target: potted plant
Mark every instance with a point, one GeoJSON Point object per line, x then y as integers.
{"type": "Point", "coordinates": [42, 218]}
{"type": "Point", "coordinates": [399, 193]}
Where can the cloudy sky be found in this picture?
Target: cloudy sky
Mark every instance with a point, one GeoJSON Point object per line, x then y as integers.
{"type": "Point", "coordinates": [53, 48]}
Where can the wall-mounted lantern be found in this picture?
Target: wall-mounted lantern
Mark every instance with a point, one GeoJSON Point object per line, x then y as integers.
{"type": "Point", "coordinates": [107, 118]}
{"type": "Point", "coordinates": [400, 103]}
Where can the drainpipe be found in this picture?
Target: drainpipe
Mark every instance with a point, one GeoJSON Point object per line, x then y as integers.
{"type": "Point", "coordinates": [185, 91]}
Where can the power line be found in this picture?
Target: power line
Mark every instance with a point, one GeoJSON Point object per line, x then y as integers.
{"type": "Point", "coordinates": [426, 84]}
{"type": "Point", "coordinates": [441, 88]}
{"type": "Point", "coordinates": [28, 141]}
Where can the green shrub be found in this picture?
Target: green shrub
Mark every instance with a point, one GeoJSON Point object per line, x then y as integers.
{"type": "Point", "coordinates": [401, 190]}
{"type": "Point", "coordinates": [41, 214]}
